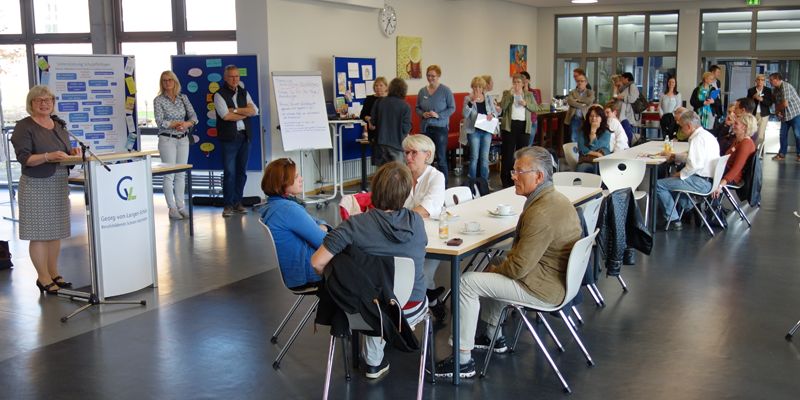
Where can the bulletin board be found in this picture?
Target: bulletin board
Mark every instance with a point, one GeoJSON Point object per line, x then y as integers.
{"type": "Point", "coordinates": [352, 83]}
{"type": "Point", "coordinates": [200, 77]}
{"type": "Point", "coordinates": [95, 96]}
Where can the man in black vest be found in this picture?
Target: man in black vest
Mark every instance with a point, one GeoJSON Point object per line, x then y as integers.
{"type": "Point", "coordinates": [234, 108]}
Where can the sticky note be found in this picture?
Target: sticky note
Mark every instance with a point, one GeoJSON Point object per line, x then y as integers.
{"type": "Point", "coordinates": [214, 62]}
{"type": "Point", "coordinates": [131, 84]}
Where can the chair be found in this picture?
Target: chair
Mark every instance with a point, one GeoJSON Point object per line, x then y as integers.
{"type": "Point", "coordinates": [403, 285]}
{"type": "Point", "coordinates": [797, 325]}
{"type": "Point", "coordinates": [456, 195]}
{"type": "Point", "coordinates": [619, 174]}
{"type": "Point", "coordinates": [272, 259]}
{"type": "Point", "coordinates": [352, 204]}
{"type": "Point", "coordinates": [591, 212]}
{"type": "Point", "coordinates": [719, 170]}
{"type": "Point", "coordinates": [576, 268]}
{"type": "Point", "coordinates": [577, 179]}
{"type": "Point", "coordinates": [571, 154]}
{"type": "Point", "coordinates": [726, 190]}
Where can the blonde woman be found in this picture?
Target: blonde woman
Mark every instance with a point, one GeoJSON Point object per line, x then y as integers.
{"type": "Point", "coordinates": [175, 118]}
{"type": "Point", "coordinates": [478, 102]}
{"type": "Point", "coordinates": [706, 101]}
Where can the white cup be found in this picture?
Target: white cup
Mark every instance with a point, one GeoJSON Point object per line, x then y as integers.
{"type": "Point", "coordinates": [472, 226]}
{"type": "Point", "coordinates": [503, 209]}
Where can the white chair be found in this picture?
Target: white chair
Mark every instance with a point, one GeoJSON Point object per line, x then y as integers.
{"type": "Point", "coordinates": [591, 212]}
{"type": "Point", "coordinates": [571, 154]}
{"type": "Point", "coordinates": [726, 190]}
{"type": "Point", "coordinates": [619, 174]}
{"type": "Point", "coordinates": [272, 259]}
{"type": "Point", "coordinates": [797, 325]}
{"type": "Point", "coordinates": [694, 197]}
{"type": "Point", "coordinates": [403, 284]}
{"type": "Point", "coordinates": [576, 268]}
{"type": "Point", "coordinates": [577, 179]}
{"type": "Point", "coordinates": [457, 195]}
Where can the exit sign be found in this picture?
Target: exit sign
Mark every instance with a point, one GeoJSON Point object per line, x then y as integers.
{"type": "Point", "coordinates": [753, 2]}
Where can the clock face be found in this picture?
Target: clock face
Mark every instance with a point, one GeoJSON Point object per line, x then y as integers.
{"type": "Point", "coordinates": [388, 20]}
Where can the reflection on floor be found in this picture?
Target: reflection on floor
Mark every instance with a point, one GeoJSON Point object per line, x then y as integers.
{"type": "Point", "coordinates": [704, 318]}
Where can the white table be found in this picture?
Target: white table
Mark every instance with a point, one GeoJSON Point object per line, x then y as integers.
{"type": "Point", "coordinates": [645, 152]}
{"type": "Point", "coordinates": [494, 230]}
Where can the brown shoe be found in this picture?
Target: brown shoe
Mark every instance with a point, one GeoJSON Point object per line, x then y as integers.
{"type": "Point", "coordinates": [779, 157]}
{"type": "Point", "coordinates": [227, 211]}
{"type": "Point", "coordinates": [239, 209]}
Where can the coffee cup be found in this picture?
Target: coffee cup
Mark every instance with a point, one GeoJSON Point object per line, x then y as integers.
{"type": "Point", "coordinates": [503, 209]}
{"type": "Point", "coordinates": [472, 226]}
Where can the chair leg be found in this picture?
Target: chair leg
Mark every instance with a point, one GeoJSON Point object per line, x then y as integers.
{"type": "Point", "coordinates": [647, 210]}
{"type": "Point", "coordinates": [297, 302]}
{"type": "Point", "coordinates": [792, 331]}
{"type": "Point", "coordinates": [344, 358]}
{"type": "Point", "coordinates": [622, 282]}
{"type": "Point", "coordinates": [700, 213]}
{"type": "Point", "coordinates": [423, 357]}
{"type": "Point", "coordinates": [577, 315]}
{"type": "Point", "coordinates": [549, 331]}
{"type": "Point", "coordinates": [736, 206]}
{"type": "Point", "coordinates": [546, 353]}
{"type": "Point", "coordinates": [715, 213]}
{"type": "Point", "coordinates": [574, 333]}
{"type": "Point", "coordinates": [331, 350]}
{"type": "Point", "coordinates": [594, 296]}
{"type": "Point", "coordinates": [277, 363]}
{"type": "Point", "coordinates": [489, 352]}
{"type": "Point", "coordinates": [599, 295]}
{"type": "Point", "coordinates": [432, 343]}
{"type": "Point", "coordinates": [516, 334]}
{"type": "Point", "coordinates": [672, 211]}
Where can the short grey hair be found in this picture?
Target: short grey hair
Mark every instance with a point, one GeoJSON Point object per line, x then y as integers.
{"type": "Point", "coordinates": [690, 117]}
{"type": "Point", "coordinates": [420, 142]}
{"type": "Point", "coordinates": [36, 92]}
{"type": "Point", "coordinates": [678, 112]}
{"type": "Point", "coordinates": [540, 158]}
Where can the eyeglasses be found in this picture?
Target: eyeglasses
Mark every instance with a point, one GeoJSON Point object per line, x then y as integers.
{"type": "Point", "coordinates": [232, 76]}
{"type": "Point", "coordinates": [515, 172]}
{"type": "Point", "coordinates": [413, 153]}
{"type": "Point", "coordinates": [166, 80]}
{"type": "Point", "coordinates": [44, 100]}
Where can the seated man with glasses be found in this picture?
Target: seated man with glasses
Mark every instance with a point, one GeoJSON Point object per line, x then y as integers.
{"type": "Point", "coordinates": [534, 270]}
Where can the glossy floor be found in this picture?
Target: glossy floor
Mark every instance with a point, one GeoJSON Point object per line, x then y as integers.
{"type": "Point", "coordinates": [704, 318]}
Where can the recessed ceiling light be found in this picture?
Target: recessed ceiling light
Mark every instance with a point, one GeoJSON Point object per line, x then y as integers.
{"type": "Point", "coordinates": [584, 1]}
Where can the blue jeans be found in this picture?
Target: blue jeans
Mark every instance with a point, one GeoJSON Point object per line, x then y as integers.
{"type": "Point", "coordinates": [666, 198]}
{"type": "Point", "coordinates": [438, 135]}
{"type": "Point", "coordinates": [575, 128]}
{"type": "Point", "coordinates": [794, 124]}
{"type": "Point", "coordinates": [534, 128]}
{"type": "Point", "coordinates": [628, 128]}
{"type": "Point", "coordinates": [479, 143]}
{"type": "Point", "coordinates": [589, 168]}
{"type": "Point", "coordinates": [234, 167]}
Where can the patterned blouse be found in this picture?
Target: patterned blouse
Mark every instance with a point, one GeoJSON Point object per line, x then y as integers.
{"type": "Point", "coordinates": [168, 111]}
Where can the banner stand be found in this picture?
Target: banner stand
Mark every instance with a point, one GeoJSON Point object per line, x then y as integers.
{"type": "Point", "coordinates": [12, 196]}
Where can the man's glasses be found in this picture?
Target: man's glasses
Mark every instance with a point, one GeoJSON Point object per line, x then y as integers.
{"type": "Point", "coordinates": [516, 172]}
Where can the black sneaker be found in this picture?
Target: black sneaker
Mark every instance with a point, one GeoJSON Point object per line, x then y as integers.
{"type": "Point", "coordinates": [500, 345]}
{"type": "Point", "coordinates": [433, 294]}
{"type": "Point", "coordinates": [444, 369]}
{"type": "Point", "coordinates": [439, 312]}
{"type": "Point", "coordinates": [377, 372]}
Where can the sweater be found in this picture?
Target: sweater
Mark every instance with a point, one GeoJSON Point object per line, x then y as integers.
{"type": "Point", "coordinates": [740, 153]}
{"type": "Point", "coordinates": [441, 101]}
{"type": "Point", "coordinates": [392, 119]}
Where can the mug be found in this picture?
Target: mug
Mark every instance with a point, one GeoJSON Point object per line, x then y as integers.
{"type": "Point", "coordinates": [503, 209]}
{"type": "Point", "coordinates": [472, 226]}
{"type": "Point", "coordinates": [413, 68]}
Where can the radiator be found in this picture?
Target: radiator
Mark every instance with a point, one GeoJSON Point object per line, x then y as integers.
{"type": "Point", "coordinates": [351, 169]}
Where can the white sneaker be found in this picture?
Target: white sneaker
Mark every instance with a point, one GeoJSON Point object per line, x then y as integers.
{"type": "Point", "coordinates": [184, 212]}
{"type": "Point", "coordinates": [174, 214]}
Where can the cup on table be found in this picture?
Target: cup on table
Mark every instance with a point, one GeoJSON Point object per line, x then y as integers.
{"type": "Point", "coordinates": [503, 209]}
{"type": "Point", "coordinates": [472, 226]}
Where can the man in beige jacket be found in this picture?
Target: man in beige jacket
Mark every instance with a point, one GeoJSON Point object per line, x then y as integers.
{"type": "Point", "coordinates": [533, 272]}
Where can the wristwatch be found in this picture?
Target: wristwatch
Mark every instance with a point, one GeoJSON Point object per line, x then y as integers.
{"type": "Point", "coordinates": [235, 110]}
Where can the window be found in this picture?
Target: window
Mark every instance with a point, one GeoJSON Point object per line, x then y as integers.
{"type": "Point", "coordinates": [146, 15]}
{"type": "Point", "coordinates": [10, 21]}
{"type": "Point", "coordinates": [569, 34]}
{"type": "Point", "coordinates": [726, 31]}
{"type": "Point", "coordinates": [61, 16]}
{"type": "Point", "coordinates": [600, 34]}
{"type": "Point", "coordinates": [62, 48]}
{"type": "Point", "coordinates": [664, 32]}
{"type": "Point", "coordinates": [151, 60]}
{"type": "Point", "coordinates": [630, 33]}
{"type": "Point", "coordinates": [210, 48]}
{"type": "Point", "coordinates": [661, 69]}
{"type": "Point", "coordinates": [198, 17]}
{"type": "Point", "coordinates": [14, 82]}
{"type": "Point", "coordinates": [778, 30]}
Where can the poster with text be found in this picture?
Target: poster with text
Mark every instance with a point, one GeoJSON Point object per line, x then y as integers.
{"type": "Point", "coordinates": [518, 59]}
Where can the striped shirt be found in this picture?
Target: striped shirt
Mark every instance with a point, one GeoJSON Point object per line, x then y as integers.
{"type": "Point", "coordinates": [168, 111]}
{"type": "Point", "coordinates": [787, 92]}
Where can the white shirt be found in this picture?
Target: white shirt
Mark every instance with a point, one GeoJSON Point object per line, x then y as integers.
{"type": "Point", "coordinates": [668, 104]}
{"type": "Point", "coordinates": [428, 192]}
{"type": "Point", "coordinates": [222, 107]}
{"type": "Point", "coordinates": [619, 140]}
{"type": "Point", "coordinates": [703, 152]}
{"type": "Point", "coordinates": [517, 112]}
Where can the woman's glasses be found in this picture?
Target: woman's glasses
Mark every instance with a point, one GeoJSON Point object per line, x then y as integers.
{"type": "Point", "coordinates": [44, 100]}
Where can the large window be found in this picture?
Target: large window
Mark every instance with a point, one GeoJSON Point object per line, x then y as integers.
{"type": "Point", "coordinates": [644, 44]}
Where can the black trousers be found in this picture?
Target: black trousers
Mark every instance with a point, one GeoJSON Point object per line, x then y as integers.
{"type": "Point", "coordinates": [511, 142]}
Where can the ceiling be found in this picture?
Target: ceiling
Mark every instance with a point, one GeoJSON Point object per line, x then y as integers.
{"type": "Point", "coordinates": [568, 3]}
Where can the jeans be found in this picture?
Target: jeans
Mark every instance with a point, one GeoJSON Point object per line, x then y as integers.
{"type": "Point", "coordinates": [589, 168]}
{"type": "Point", "coordinates": [438, 135]}
{"type": "Point", "coordinates": [666, 198]}
{"type": "Point", "coordinates": [794, 124]}
{"type": "Point", "coordinates": [512, 141]}
{"type": "Point", "coordinates": [534, 128]}
{"type": "Point", "coordinates": [373, 345]}
{"type": "Point", "coordinates": [234, 167]}
{"type": "Point", "coordinates": [479, 143]}
{"type": "Point", "coordinates": [575, 128]}
{"type": "Point", "coordinates": [174, 151]}
{"type": "Point", "coordinates": [628, 128]}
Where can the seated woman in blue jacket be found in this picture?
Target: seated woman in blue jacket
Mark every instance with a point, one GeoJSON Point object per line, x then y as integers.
{"type": "Point", "coordinates": [594, 141]}
{"type": "Point", "coordinates": [297, 234]}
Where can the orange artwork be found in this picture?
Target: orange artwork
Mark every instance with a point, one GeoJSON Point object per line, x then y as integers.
{"type": "Point", "coordinates": [518, 59]}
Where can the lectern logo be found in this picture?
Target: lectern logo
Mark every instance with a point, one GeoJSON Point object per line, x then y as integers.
{"type": "Point", "coordinates": [125, 193]}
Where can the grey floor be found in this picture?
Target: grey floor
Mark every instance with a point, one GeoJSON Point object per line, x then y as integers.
{"type": "Point", "coordinates": [705, 318]}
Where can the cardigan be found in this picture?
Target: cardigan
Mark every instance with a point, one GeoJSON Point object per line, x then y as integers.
{"type": "Point", "coordinates": [507, 103]}
{"type": "Point", "coordinates": [441, 101]}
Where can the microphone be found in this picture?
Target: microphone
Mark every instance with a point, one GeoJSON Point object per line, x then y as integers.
{"type": "Point", "coordinates": [59, 121]}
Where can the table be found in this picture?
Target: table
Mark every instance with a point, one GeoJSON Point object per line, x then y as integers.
{"type": "Point", "coordinates": [159, 168]}
{"type": "Point", "coordinates": [551, 129]}
{"type": "Point", "coordinates": [639, 153]}
{"type": "Point", "coordinates": [642, 127]}
{"type": "Point", "coordinates": [495, 230]}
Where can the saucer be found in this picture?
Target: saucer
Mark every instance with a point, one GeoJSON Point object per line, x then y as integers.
{"type": "Point", "coordinates": [494, 213]}
{"type": "Point", "coordinates": [463, 232]}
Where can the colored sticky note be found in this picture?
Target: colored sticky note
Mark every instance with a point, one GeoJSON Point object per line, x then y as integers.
{"type": "Point", "coordinates": [131, 84]}
{"type": "Point", "coordinates": [42, 63]}
{"type": "Point", "coordinates": [209, 98]}
{"type": "Point", "coordinates": [130, 101]}
{"type": "Point", "coordinates": [213, 87]}
{"type": "Point", "coordinates": [242, 72]}
{"type": "Point", "coordinates": [214, 62]}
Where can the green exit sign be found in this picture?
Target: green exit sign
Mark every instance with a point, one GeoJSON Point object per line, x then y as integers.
{"type": "Point", "coordinates": [753, 2]}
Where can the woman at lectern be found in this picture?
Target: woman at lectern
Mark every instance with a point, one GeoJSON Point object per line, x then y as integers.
{"type": "Point", "coordinates": [175, 118]}
{"type": "Point", "coordinates": [40, 143]}
{"type": "Point", "coordinates": [297, 234]}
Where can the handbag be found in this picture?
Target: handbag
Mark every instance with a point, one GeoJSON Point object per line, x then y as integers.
{"type": "Point", "coordinates": [192, 138]}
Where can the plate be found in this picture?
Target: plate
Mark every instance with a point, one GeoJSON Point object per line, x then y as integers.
{"type": "Point", "coordinates": [463, 232]}
{"type": "Point", "coordinates": [493, 213]}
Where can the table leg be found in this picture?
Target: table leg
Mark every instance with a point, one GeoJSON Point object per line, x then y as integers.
{"type": "Point", "coordinates": [364, 167]}
{"type": "Point", "coordinates": [455, 277]}
{"type": "Point", "coordinates": [653, 203]}
{"type": "Point", "coordinates": [191, 206]}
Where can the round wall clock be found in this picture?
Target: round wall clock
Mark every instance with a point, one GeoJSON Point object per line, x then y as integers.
{"type": "Point", "coordinates": [387, 17]}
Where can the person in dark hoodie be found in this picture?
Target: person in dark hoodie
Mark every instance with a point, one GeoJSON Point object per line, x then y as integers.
{"type": "Point", "coordinates": [387, 230]}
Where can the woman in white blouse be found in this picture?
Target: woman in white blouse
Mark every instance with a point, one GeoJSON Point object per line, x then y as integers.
{"type": "Point", "coordinates": [670, 99]}
{"type": "Point", "coordinates": [426, 198]}
{"type": "Point", "coordinates": [175, 118]}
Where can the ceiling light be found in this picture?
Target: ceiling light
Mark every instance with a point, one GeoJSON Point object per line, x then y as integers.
{"type": "Point", "coordinates": [583, 1]}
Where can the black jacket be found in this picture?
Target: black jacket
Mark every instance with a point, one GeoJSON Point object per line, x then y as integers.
{"type": "Point", "coordinates": [621, 228]}
{"type": "Point", "coordinates": [357, 282]}
{"type": "Point", "coordinates": [766, 104]}
{"type": "Point", "coordinates": [716, 107]}
{"type": "Point", "coordinates": [751, 189]}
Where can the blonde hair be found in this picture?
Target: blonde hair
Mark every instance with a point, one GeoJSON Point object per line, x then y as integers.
{"type": "Point", "coordinates": [478, 82]}
{"type": "Point", "coordinates": [380, 79]}
{"type": "Point", "coordinates": [488, 79]}
{"type": "Point", "coordinates": [420, 143]}
{"type": "Point", "coordinates": [761, 77]}
{"type": "Point", "coordinates": [170, 75]}
{"type": "Point", "coordinates": [706, 75]}
{"type": "Point", "coordinates": [750, 123]}
{"type": "Point", "coordinates": [36, 92]}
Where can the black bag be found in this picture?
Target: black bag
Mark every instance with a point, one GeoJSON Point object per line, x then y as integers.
{"type": "Point", "coordinates": [640, 104]}
{"type": "Point", "coordinates": [5, 256]}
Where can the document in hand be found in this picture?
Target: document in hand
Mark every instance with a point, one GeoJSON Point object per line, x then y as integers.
{"type": "Point", "coordinates": [484, 124]}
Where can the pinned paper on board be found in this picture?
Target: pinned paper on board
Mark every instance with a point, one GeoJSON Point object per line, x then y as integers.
{"type": "Point", "coordinates": [130, 102]}
{"type": "Point", "coordinates": [213, 62]}
{"type": "Point", "coordinates": [130, 123]}
{"type": "Point", "coordinates": [131, 84]}
{"type": "Point", "coordinates": [352, 70]}
{"type": "Point", "coordinates": [242, 72]}
{"type": "Point", "coordinates": [44, 78]}
{"type": "Point", "coordinates": [370, 87]}
{"type": "Point", "coordinates": [366, 72]}
{"type": "Point", "coordinates": [42, 64]}
{"type": "Point", "coordinates": [341, 82]}
{"type": "Point", "coordinates": [130, 65]}
{"type": "Point", "coordinates": [361, 90]}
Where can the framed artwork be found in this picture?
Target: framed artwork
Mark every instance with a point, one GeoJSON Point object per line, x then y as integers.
{"type": "Point", "coordinates": [409, 57]}
{"type": "Point", "coordinates": [517, 59]}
